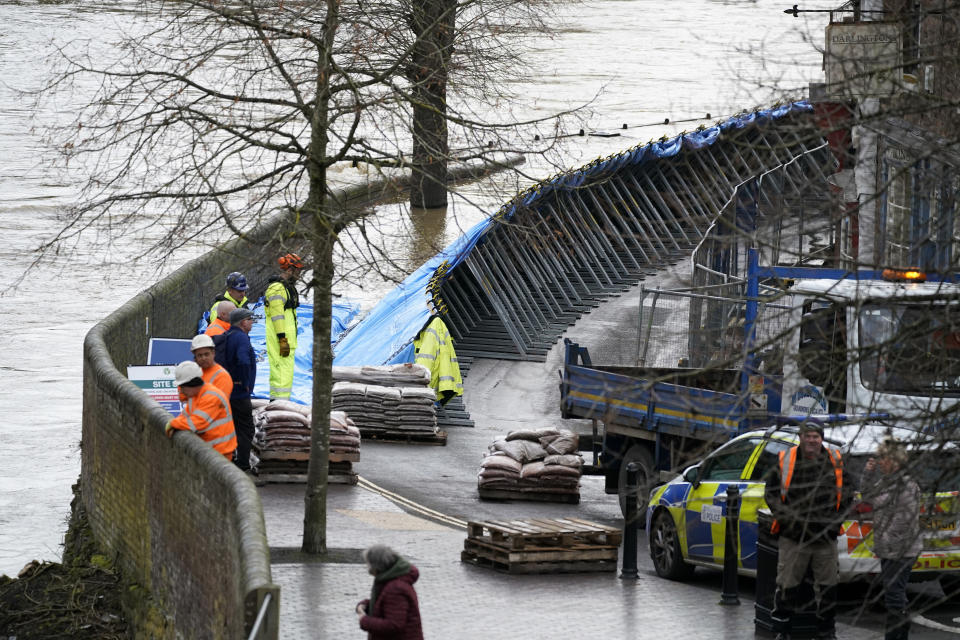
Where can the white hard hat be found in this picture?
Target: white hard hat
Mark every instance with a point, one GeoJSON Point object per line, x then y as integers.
{"type": "Point", "coordinates": [187, 371]}
{"type": "Point", "coordinates": [200, 341]}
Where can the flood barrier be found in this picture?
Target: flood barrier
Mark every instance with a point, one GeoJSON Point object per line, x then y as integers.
{"type": "Point", "coordinates": [510, 286]}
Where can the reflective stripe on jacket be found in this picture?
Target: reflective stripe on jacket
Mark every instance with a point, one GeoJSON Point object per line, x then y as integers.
{"type": "Point", "coordinates": [219, 378]}
{"type": "Point", "coordinates": [281, 302]}
{"type": "Point", "coordinates": [217, 326]}
{"type": "Point", "coordinates": [208, 415]}
{"type": "Point", "coordinates": [433, 347]}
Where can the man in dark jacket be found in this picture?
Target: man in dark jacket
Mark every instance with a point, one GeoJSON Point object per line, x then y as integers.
{"type": "Point", "coordinates": [235, 354]}
{"type": "Point", "coordinates": [392, 612]}
{"type": "Point", "coordinates": [808, 494]}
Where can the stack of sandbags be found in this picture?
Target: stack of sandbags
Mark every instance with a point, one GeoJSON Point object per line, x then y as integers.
{"type": "Point", "coordinates": [416, 411]}
{"type": "Point", "coordinates": [282, 425]}
{"type": "Point", "coordinates": [282, 442]}
{"type": "Point", "coordinates": [390, 375]}
{"type": "Point", "coordinates": [344, 435]}
{"type": "Point", "coordinates": [376, 409]}
{"type": "Point", "coordinates": [540, 461]}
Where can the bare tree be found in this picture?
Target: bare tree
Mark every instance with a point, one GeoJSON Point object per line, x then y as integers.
{"type": "Point", "coordinates": [221, 113]}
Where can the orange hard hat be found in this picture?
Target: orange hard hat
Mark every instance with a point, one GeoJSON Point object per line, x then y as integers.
{"type": "Point", "coordinates": [290, 261]}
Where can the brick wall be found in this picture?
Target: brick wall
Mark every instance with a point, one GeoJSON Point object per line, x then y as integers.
{"type": "Point", "coordinates": [185, 524]}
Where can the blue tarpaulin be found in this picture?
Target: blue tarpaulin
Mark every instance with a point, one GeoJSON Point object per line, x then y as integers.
{"type": "Point", "coordinates": [343, 313]}
{"type": "Point", "coordinates": [385, 335]}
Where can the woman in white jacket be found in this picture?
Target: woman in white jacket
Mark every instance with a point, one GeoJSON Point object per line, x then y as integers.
{"type": "Point", "coordinates": [895, 498]}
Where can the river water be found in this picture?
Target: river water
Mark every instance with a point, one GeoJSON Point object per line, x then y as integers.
{"type": "Point", "coordinates": [637, 62]}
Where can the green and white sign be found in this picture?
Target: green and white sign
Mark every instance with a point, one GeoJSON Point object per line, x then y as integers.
{"type": "Point", "coordinates": [157, 381]}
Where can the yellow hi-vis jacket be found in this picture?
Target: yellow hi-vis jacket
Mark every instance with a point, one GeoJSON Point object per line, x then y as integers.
{"type": "Point", "coordinates": [226, 297]}
{"type": "Point", "coordinates": [281, 303]}
{"type": "Point", "coordinates": [433, 347]}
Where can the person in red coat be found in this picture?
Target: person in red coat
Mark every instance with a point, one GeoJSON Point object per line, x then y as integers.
{"type": "Point", "coordinates": [392, 612]}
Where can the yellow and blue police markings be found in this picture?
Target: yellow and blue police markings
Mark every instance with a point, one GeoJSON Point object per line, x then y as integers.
{"type": "Point", "coordinates": [699, 516]}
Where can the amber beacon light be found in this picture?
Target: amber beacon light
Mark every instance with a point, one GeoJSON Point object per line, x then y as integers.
{"type": "Point", "coordinates": [904, 275]}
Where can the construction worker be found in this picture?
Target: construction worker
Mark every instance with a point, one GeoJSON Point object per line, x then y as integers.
{"type": "Point", "coordinates": [235, 353]}
{"type": "Point", "coordinates": [206, 411]}
{"type": "Point", "coordinates": [235, 293]}
{"type": "Point", "coordinates": [282, 300]}
{"type": "Point", "coordinates": [221, 322]}
{"type": "Point", "coordinates": [203, 354]}
{"type": "Point", "coordinates": [433, 348]}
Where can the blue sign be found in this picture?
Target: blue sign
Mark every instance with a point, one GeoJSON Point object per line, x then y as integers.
{"type": "Point", "coordinates": [168, 351]}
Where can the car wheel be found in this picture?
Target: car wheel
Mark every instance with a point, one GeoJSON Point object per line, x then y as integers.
{"type": "Point", "coordinates": [665, 549]}
{"type": "Point", "coordinates": [646, 479]}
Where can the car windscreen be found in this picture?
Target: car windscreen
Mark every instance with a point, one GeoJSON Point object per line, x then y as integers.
{"type": "Point", "coordinates": [910, 347]}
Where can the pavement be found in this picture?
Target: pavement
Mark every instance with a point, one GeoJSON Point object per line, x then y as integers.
{"type": "Point", "coordinates": [459, 600]}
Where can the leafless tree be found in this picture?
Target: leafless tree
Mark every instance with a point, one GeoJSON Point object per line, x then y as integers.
{"type": "Point", "coordinates": [220, 114]}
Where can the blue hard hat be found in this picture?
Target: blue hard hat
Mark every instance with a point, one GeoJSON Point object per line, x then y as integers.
{"type": "Point", "coordinates": [237, 280]}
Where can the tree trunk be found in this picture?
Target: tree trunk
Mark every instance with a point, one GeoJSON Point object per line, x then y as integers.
{"type": "Point", "coordinates": [433, 24]}
{"type": "Point", "coordinates": [324, 239]}
{"type": "Point", "coordinates": [315, 498]}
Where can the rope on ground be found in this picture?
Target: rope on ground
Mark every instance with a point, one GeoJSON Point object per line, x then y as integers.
{"type": "Point", "coordinates": [410, 504]}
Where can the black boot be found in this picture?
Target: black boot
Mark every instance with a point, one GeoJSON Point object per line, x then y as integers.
{"type": "Point", "coordinates": [896, 625]}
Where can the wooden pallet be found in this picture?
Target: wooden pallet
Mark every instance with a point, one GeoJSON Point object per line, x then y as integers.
{"type": "Point", "coordinates": [301, 456]}
{"type": "Point", "coordinates": [542, 532]}
{"type": "Point", "coordinates": [301, 478]}
{"type": "Point", "coordinates": [405, 437]}
{"type": "Point", "coordinates": [570, 497]}
{"type": "Point", "coordinates": [574, 559]}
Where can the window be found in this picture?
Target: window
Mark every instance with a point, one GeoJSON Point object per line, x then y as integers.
{"type": "Point", "coordinates": [728, 462]}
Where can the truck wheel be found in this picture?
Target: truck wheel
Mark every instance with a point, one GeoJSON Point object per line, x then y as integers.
{"type": "Point", "coordinates": [665, 549]}
{"type": "Point", "coordinates": [645, 481]}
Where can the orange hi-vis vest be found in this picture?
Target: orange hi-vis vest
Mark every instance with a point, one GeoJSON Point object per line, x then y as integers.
{"type": "Point", "coordinates": [217, 326]}
{"type": "Point", "coordinates": [218, 377]}
{"type": "Point", "coordinates": [788, 462]}
{"type": "Point", "coordinates": [208, 415]}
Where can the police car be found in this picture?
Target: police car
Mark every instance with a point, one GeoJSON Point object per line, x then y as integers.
{"type": "Point", "coordinates": [686, 517]}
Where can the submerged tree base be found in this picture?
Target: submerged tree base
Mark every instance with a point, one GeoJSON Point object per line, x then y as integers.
{"type": "Point", "coordinates": [51, 600]}
{"type": "Point", "coordinates": [81, 598]}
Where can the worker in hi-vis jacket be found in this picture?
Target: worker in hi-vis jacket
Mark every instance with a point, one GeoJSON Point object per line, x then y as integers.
{"type": "Point", "coordinates": [433, 348]}
{"type": "Point", "coordinates": [282, 300]}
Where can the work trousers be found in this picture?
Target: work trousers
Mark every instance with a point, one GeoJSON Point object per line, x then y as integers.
{"type": "Point", "coordinates": [243, 424]}
{"type": "Point", "coordinates": [281, 369]}
{"type": "Point", "coordinates": [792, 563]}
{"type": "Point", "coordinates": [895, 573]}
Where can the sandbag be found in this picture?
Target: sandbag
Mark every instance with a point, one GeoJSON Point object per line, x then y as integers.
{"type": "Point", "coordinates": [501, 462]}
{"type": "Point", "coordinates": [520, 450]}
{"type": "Point", "coordinates": [567, 460]}
{"type": "Point", "coordinates": [561, 443]}
{"type": "Point", "coordinates": [287, 405]}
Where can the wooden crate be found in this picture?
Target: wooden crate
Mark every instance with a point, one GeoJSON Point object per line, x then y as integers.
{"type": "Point", "coordinates": [541, 545]}
{"type": "Point", "coordinates": [565, 497]}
